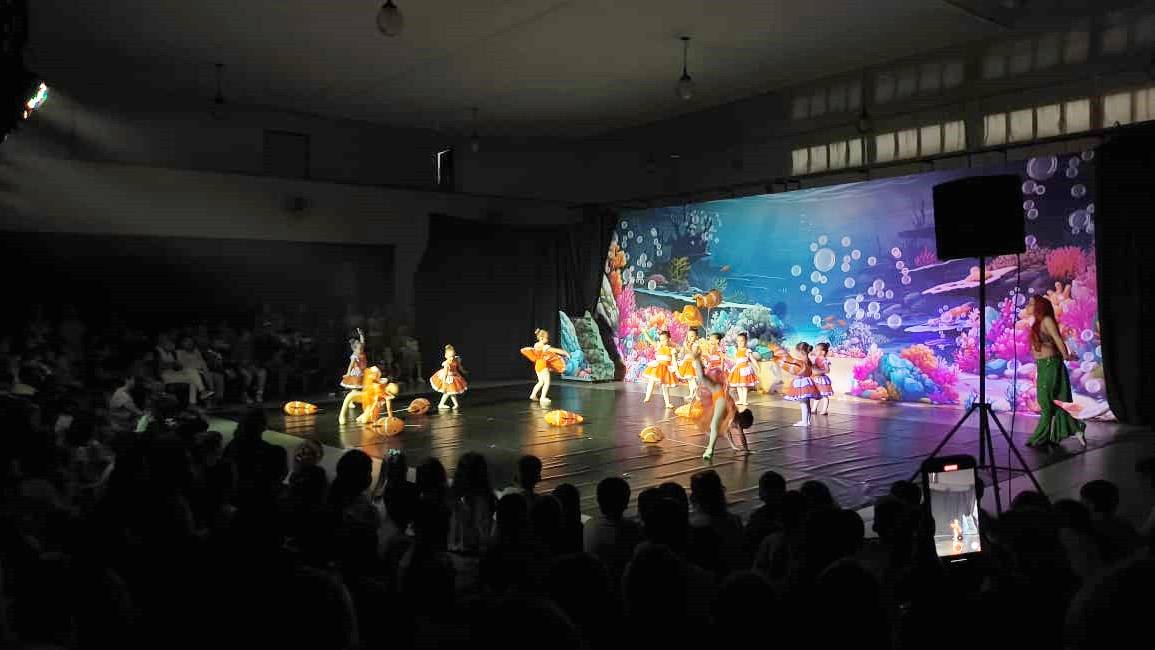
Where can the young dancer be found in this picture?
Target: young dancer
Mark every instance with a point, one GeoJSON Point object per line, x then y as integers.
{"type": "Point", "coordinates": [714, 362]}
{"type": "Point", "coordinates": [802, 389]}
{"type": "Point", "coordinates": [686, 372]}
{"type": "Point", "coordinates": [662, 371]}
{"type": "Point", "coordinates": [720, 412]}
{"type": "Point", "coordinates": [546, 359]}
{"type": "Point", "coordinates": [449, 381]}
{"type": "Point", "coordinates": [357, 363]}
{"type": "Point", "coordinates": [743, 374]}
{"type": "Point", "coordinates": [821, 376]}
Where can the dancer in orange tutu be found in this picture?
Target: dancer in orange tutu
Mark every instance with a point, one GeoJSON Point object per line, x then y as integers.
{"type": "Point", "coordinates": [821, 376]}
{"type": "Point", "coordinates": [743, 373]}
{"type": "Point", "coordinates": [357, 363]}
{"type": "Point", "coordinates": [713, 360]}
{"type": "Point", "coordinates": [450, 380]}
{"type": "Point", "coordinates": [662, 371]}
{"type": "Point", "coordinates": [686, 372]}
{"type": "Point", "coordinates": [546, 359]}
{"type": "Point", "coordinates": [720, 412]}
{"type": "Point", "coordinates": [802, 389]}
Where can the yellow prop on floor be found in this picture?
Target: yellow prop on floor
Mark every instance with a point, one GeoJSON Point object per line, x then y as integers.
{"type": "Point", "coordinates": [419, 406]}
{"type": "Point", "coordinates": [562, 418]}
{"type": "Point", "coordinates": [693, 410]}
{"type": "Point", "coordinates": [651, 435]}
{"type": "Point", "coordinates": [300, 408]}
{"type": "Point", "coordinates": [390, 426]}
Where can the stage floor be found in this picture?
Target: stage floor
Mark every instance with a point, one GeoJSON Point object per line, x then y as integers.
{"type": "Point", "coordinates": [858, 450]}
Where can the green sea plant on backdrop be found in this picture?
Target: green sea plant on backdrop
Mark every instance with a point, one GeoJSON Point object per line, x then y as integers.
{"type": "Point", "coordinates": [855, 265]}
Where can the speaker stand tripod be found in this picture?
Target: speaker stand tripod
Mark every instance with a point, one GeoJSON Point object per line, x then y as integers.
{"type": "Point", "coordinates": [986, 460]}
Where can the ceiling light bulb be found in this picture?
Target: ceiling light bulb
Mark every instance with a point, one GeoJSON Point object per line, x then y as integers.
{"type": "Point", "coordinates": [475, 143]}
{"type": "Point", "coordinates": [389, 19]}
{"type": "Point", "coordinates": [685, 87]}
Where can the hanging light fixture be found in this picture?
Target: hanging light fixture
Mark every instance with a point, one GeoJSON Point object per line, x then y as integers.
{"type": "Point", "coordinates": [218, 111]}
{"type": "Point", "coordinates": [474, 140]}
{"type": "Point", "coordinates": [685, 88]}
{"type": "Point", "coordinates": [389, 19]}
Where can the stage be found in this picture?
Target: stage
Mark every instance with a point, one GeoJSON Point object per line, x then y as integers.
{"type": "Point", "coordinates": [858, 450]}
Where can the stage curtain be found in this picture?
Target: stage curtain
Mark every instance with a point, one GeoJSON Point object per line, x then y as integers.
{"type": "Point", "coordinates": [485, 287]}
{"type": "Point", "coordinates": [1125, 240]}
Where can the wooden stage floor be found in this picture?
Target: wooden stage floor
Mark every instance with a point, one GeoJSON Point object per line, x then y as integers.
{"type": "Point", "coordinates": [858, 450]}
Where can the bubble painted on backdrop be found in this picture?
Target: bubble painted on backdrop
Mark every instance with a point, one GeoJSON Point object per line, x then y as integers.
{"type": "Point", "coordinates": [1073, 162]}
{"type": "Point", "coordinates": [1090, 208]}
{"type": "Point", "coordinates": [1042, 167]}
{"type": "Point", "coordinates": [846, 242]}
{"type": "Point", "coordinates": [639, 239]}
{"type": "Point", "coordinates": [845, 267]}
{"type": "Point", "coordinates": [871, 261]}
{"type": "Point", "coordinates": [814, 291]}
{"type": "Point", "coordinates": [1028, 204]}
{"type": "Point", "coordinates": [878, 285]}
{"type": "Point", "coordinates": [896, 252]}
{"type": "Point", "coordinates": [813, 248]}
{"type": "Point", "coordinates": [1088, 154]}
{"type": "Point", "coordinates": [630, 234]}
{"type": "Point", "coordinates": [859, 314]}
{"type": "Point", "coordinates": [900, 265]}
{"type": "Point", "coordinates": [653, 232]}
{"type": "Point", "coordinates": [894, 321]}
{"type": "Point", "coordinates": [802, 287]}
{"type": "Point", "coordinates": [818, 298]}
{"type": "Point", "coordinates": [1072, 172]}
{"type": "Point", "coordinates": [1032, 214]}
{"type": "Point", "coordinates": [873, 308]}
{"type": "Point", "coordinates": [825, 259]}
{"type": "Point", "coordinates": [796, 270]}
{"type": "Point", "coordinates": [889, 294]}
{"type": "Point", "coordinates": [1029, 186]}
{"type": "Point", "coordinates": [1040, 190]}
{"type": "Point", "coordinates": [871, 291]}
{"type": "Point", "coordinates": [822, 240]}
{"type": "Point", "coordinates": [816, 320]}
{"type": "Point", "coordinates": [814, 276]}
{"type": "Point", "coordinates": [906, 279]}
{"type": "Point", "coordinates": [1078, 191]}
{"type": "Point", "coordinates": [855, 254]}
{"type": "Point", "coordinates": [823, 279]}
{"type": "Point", "coordinates": [850, 306]}
{"type": "Point", "coordinates": [1079, 219]}
{"type": "Point", "coordinates": [1031, 241]}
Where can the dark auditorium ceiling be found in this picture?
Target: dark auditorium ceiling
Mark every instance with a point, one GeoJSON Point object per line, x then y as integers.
{"type": "Point", "coordinates": [533, 67]}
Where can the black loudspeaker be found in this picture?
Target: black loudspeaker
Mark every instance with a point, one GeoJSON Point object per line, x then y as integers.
{"type": "Point", "coordinates": [979, 216]}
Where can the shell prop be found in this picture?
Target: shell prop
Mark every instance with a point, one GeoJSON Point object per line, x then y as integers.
{"type": "Point", "coordinates": [561, 418]}
{"type": "Point", "coordinates": [390, 426]}
{"type": "Point", "coordinates": [651, 435]}
{"type": "Point", "coordinates": [299, 408]}
{"type": "Point", "coordinates": [689, 316]}
{"type": "Point", "coordinates": [693, 410]}
{"type": "Point", "coordinates": [419, 406]}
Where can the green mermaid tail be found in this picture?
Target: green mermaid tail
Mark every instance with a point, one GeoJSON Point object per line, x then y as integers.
{"type": "Point", "coordinates": [1053, 383]}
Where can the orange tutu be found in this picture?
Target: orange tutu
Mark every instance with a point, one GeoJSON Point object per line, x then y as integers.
{"type": "Point", "coordinates": [447, 382]}
{"type": "Point", "coordinates": [824, 385]}
{"type": "Point", "coordinates": [351, 382]}
{"type": "Point", "coordinates": [801, 389]}
{"type": "Point", "coordinates": [544, 360]}
{"type": "Point", "coordinates": [663, 373]}
{"type": "Point", "coordinates": [686, 368]}
{"type": "Point", "coordinates": [743, 375]}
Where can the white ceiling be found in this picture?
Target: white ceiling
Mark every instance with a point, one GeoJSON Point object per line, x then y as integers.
{"type": "Point", "coordinates": [532, 67]}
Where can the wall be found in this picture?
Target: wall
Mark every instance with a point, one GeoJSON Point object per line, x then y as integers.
{"type": "Point", "coordinates": [156, 169]}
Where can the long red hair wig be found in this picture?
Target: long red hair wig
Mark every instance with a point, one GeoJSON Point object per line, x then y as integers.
{"type": "Point", "coordinates": [1041, 308]}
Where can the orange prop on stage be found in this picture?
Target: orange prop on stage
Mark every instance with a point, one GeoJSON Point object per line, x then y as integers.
{"type": "Point", "coordinates": [563, 418]}
{"type": "Point", "coordinates": [300, 408]}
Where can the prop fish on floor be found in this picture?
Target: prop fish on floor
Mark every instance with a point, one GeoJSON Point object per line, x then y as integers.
{"type": "Point", "coordinates": [300, 408]}
{"type": "Point", "coordinates": [390, 426]}
{"type": "Point", "coordinates": [561, 418]}
{"type": "Point", "coordinates": [652, 434]}
{"type": "Point", "coordinates": [419, 406]}
{"type": "Point", "coordinates": [693, 410]}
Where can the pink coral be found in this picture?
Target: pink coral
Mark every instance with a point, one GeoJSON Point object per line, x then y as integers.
{"type": "Point", "coordinates": [925, 257]}
{"type": "Point", "coordinates": [625, 302]}
{"type": "Point", "coordinates": [865, 368]}
{"type": "Point", "coordinates": [1066, 263]}
{"type": "Point", "coordinates": [967, 354]}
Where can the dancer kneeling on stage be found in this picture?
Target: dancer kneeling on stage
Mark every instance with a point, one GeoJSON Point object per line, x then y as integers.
{"type": "Point", "coordinates": [719, 412]}
{"type": "Point", "coordinates": [449, 381]}
{"type": "Point", "coordinates": [546, 359]}
{"type": "Point", "coordinates": [802, 389]}
{"type": "Point", "coordinates": [662, 371]}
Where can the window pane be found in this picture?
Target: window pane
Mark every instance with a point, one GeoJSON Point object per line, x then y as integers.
{"type": "Point", "coordinates": [799, 161]}
{"type": "Point", "coordinates": [994, 129]}
{"type": "Point", "coordinates": [801, 107]}
{"type": "Point", "coordinates": [1145, 105]}
{"type": "Point", "coordinates": [818, 103]}
{"type": "Point", "coordinates": [854, 95]}
{"type": "Point", "coordinates": [1076, 46]}
{"type": "Point", "coordinates": [930, 78]}
{"type": "Point", "coordinates": [1022, 55]}
{"type": "Point", "coordinates": [818, 158]}
{"type": "Point", "coordinates": [907, 82]}
{"type": "Point", "coordinates": [995, 64]}
{"type": "Point", "coordinates": [1047, 51]}
{"type": "Point", "coordinates": [908, 143]}
{"type": "Point", "coordinates": [854, 158]}
{"type": "Point", "coordinates": [931, 140]}
{"type": "Point", "coordinates": [1145, 31]}
{"type": "Point", "coordinates": [1115, 39]}
{"type": "Point", "coordinates": [954, 136]}
{"type": "Point", "coordinates": [1116, 109]}
{"type": "Point", "coordinates": [837, 101]}
{"type": "Point", "coordinates": [884, 147]}
{"type": "Point", "coordinates": [837, 155]}
{"type": "Point", "coordinates": [1078, 116]}
{"type": "Point", "coordinates": [952, 74]}
{"type": "Point", "coordinates": [1022, 125]}
{"type": "Point", "coordinates": [884, 88]}
{"type": "Point", "coordinates": [1048, 121]}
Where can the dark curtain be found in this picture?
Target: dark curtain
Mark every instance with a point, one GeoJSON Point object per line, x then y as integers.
{"type": "Point", "coordinates": [485, 287]}
{"type": "Point", "coordinates": [946, 505]}
{"type": "Point", "coordinates": [1125, 245]}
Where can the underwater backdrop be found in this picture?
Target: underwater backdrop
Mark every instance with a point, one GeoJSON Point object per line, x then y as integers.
{"type": "Point", "coordinates": [854, 265]}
